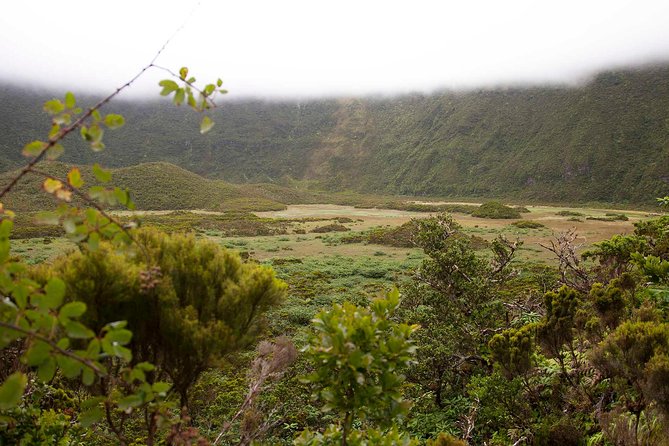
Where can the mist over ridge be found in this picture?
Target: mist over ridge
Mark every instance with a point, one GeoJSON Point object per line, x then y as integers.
{"type": "Point", "coordinates": [606, 140]}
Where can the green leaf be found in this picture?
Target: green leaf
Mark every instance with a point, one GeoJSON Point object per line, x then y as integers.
{"type": "Point", "coordinates": [122, 196]}
{"type": "Point", "coordinates": [183, 73]}
{"type": "Point", "coordinates": [91, 416]}
{"type": "Point", "coordinates": [130, 401]}
{"type": "Point", "coordinates": [55, 291]}
{"type": "Point", "coordinates": [72, 310]}
{"type": "Point", "coordinates": [93, 241]}
{"type": "Point", "coordinates": [55, 151]}
{"type": "Point", "coordinates": [168, 86]}
{"type": "Point", "coordinates": [114, 121]}
{"type": "Point", "coordinates": [70, 101]}
{"type": "Point", "coordinates": [191, 100]}
{"type": "Point", "coordinates": [179, 96]}
{"type": "Point", "coordinates": [102, 175]}
{"type": "Point", "coordinates": [38, 353]}
{"type": "Point", "coordinates": [78, 330]}
{"type": "Point", "coordinates": [70, 225]}
{"type": "Point", "coordinates": [55, 128]}
{"type": "Point", "coordinates": [93, 350]}
{"type": "Point", "coordinates": [209, 89]}
{"type": "Point", "coordinates": [5, 229]}
{"type": "Point", "coordinates": [94, 133]}
{"type": "Point", "coordinates": [92, 402]}
{"type": "Point", "coordinates": [121, 352]}
{"type": "Point", "coordinates": [53, 107]}
{"type": "Point", "coordinates": [88, 376]}
{"type": "Point", "coordinates": [145, 366]}
{"type": "Point", "coordinates": [120, 336]}
{"type": "Point", "coordinates": [96, 115]}
{"type": "Point", "coordinates": [219, 82]}
{"type": "Point", "coordinates": [74, 178]}
{"type": "Point", "coordinates": [63, 118]}
{"type": "Point", "coordinates": [161, 387]}
{"type": "Point", "coordinates": [34, 148]}
{"type": "Point", "coordinates": [70, 367]}
{"type": "Point", "coordinates": [206, 125]}
{"type": "Point", "coordinates": [46, 370]}
{"type": "Point", "coordinates": [12, 390]}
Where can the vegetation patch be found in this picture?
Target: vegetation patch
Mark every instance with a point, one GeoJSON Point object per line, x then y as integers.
{"type": "Point", "coordinates": [610, 217]}
{"type": "Point", "coordinates": [528, 224]}
{"type": "Point", "coordinates": [334, 227]}
{"type": "Point", "coordinates": [566, 213]}
{"type": "Point", "coordinates": [496, 210]}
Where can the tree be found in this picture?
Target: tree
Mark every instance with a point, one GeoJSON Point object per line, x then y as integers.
{"type": "Point", "coordinates": [455, 298]}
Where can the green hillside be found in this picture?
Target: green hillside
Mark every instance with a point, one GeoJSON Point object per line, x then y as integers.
{"type": "Point", "coordinates": [606, 141]}
{"type": "Point", "coordinates": [154, 186]}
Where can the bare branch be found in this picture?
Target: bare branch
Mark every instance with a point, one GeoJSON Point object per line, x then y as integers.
{"type": "Point", "coordinates": [572, 273]}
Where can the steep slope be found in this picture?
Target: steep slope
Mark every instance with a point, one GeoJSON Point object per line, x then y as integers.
{"type": "Point", "coordinates": [605, 141]}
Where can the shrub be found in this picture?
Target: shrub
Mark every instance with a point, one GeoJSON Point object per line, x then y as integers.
{"type": "Point", "coordinates": [610, 217]}
{"type": "Point", "coordinates": [334, 227]}
{"type": "Point", "coordinates": [495, 209]}
{"type": "Point", "coordinates": [201, 304]}
{"type": "Point", "coordinates": [528, 224]}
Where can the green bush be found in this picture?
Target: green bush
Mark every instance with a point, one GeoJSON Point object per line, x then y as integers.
{"type": "Point", "coordinates": [569, 214]}
{"type": "Point", "coordinates": [528, 224]}
{"type": "Point", "coordinates": [195, 304]}
{"type": "Point", "coordinates": [334, 227]}
{"type": "Point", "coordinates": [495, 209]}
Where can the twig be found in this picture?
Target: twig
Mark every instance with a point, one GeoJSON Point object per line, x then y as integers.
{"type": "Point", "coordinates": [87, 198]}
{"type": "Point", "coordinates": [67, 130]}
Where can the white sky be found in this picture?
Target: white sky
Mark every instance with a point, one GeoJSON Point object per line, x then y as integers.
{"type": "Point", "coordinates": [285, 48]}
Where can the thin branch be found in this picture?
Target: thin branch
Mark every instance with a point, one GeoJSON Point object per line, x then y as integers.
{"type": "Point", "coordinates": [76, 124]}
{"type": "Point", "coordinates": [66, 131]}
{"type": "Point", "coordinates": [31, 334]}
{"type": "Point", "coordinates": [206, 97]}
{"type": "Point", "coordinates": [90, 201]}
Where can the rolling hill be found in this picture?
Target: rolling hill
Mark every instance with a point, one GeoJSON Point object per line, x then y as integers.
{"type": "Point", "coordinates": [154, 186]}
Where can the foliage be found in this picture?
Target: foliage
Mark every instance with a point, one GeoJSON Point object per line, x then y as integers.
{"type": "Point", "coordinates": [513, 350]}
{"type": "Point", "coordinates": [333, 436]}
{"type": "Point", "coordinates": [45, 332]}
{"type": "Point", "coordinates": [455, 298]}
{"type": "Point", "coordinates": [334, 227]}
{"type": "Point", "coordinates": [358, 355]}
{"type": "Point", "coordinates": [205, 304]}
{"type": "Point", "coordinates": [495, 209]}
{"type": "Point", "coordinates": [528, 224]}
{"type": "Point", "coordinates": [566, 213]}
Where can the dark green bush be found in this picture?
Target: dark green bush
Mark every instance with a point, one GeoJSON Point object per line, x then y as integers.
{"type": "Point", "coordinates": [495, 209]}
{"type": "Point", "coordinates": [528, 224]}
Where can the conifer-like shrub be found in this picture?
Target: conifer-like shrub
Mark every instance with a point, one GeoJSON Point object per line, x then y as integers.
{"type": "Point", "coordinates": [201, 303]}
